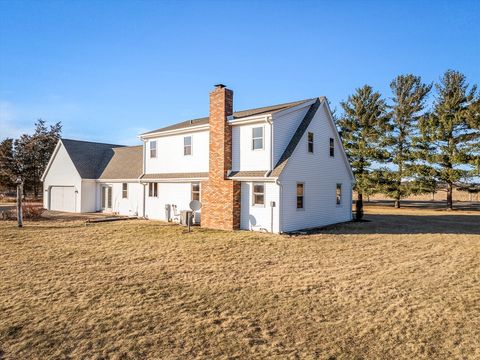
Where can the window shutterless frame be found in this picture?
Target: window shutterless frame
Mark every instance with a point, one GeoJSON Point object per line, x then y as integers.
{"type": "Point", "coordinates": [153, 149]}
{"type": "Point", "coordinates": [310, 142]}
{"type": "Point", "coordinates": [152, 189]}
{"type": "Point", "coordinates": [124, 191]}
{"type": "Point", "coordinates": [196, 191]}
{"type": "Point", "coordinates": [332, 147]}
{"type": "Point", "coordinates": [187, 145]}
{"type": "Point", "coordinates": [258, 192]}
{"type": "Point", "coordinates": [338, 194]}
{"type": "Point", "coordinates": [258, 138]}
{"type": "Point", "coordinates": [300, 196]}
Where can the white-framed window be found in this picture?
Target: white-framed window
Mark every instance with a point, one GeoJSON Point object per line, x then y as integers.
{"type": "Point", "coordinates": [257, 138]}
{"type": "Point", "coordinates": [332, 147]}
{"type": "Point", "coordinates": [196, 191]}
{"type": "Point", "coordinates": [187, 145]}
{"type": "Point", "coordinates": [310, 142]}
{"type": "Point", "coordinates": [258, 194]}
{"type": "Point", "coordinates": [153, 189]}
{"type": "Point", "coordinates": [300, 195]}
{"type": "Point", "coordinates": [124, 191]}
{"type": "Point", "coordinates": [153, 149]}
{"type": "Point", "coordinates": [338, 194]}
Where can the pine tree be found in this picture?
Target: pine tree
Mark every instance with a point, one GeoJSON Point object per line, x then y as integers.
{"type": "Point", "coordinates": [408, 102]}
{"type": "Point", "coordinates": [451, 131]}
{"type": "Point", "coordinates": [8, 168]}
{"type": "Point", "coordinates": [362, 124]}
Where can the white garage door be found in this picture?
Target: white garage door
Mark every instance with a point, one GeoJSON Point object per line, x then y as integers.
{"type": "Point", "coordinates": [62, 198]}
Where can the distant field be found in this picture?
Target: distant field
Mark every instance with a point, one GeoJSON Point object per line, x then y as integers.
{"type": "Point", "coordinates": [404, 285]}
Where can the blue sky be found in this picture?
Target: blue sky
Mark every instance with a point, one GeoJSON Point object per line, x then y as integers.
{"type": "Point", "coordinates": [112, 69]}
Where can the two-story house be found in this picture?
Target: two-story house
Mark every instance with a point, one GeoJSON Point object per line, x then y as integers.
{"type": "Point", "coordinates": [278, 168]}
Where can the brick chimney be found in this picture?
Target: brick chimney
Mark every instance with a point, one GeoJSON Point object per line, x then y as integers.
{"type": "Point", "coordinates": [220, 196]}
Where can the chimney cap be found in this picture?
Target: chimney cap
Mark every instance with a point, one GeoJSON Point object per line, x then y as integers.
{"type": "Point", "coordinates": [221, 86]}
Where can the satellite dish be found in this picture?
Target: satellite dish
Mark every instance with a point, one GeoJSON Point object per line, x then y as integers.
{"type": "Point", "coordinates": [195, 205]}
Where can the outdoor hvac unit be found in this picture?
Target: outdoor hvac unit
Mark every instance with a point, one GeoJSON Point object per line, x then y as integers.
{"type": "Point", "coordinates": [186, 217]}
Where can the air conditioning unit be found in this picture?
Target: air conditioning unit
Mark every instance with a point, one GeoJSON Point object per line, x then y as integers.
{"type": "Point", "coordinates": [186, 217]}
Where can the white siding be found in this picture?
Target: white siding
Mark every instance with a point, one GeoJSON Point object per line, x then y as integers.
{"type": "Point", "coordinates": [132, 205]}
{"type": "Point", "coordinates": [179, 194]}
{"type": "Point", "coordinates": [259, 217]}
{"type": "Point", "coordinates": [320, 173]}
{"type": "Point", "coordinates": [89, 196]}
{"type": "Point", "coordinates": [62, 172]}
{"type": "Point", "coordinates": [170, 158]}
{"type": "Point", "coordinates": [283, 129]}
{"type": "Point", "coordinates": [243, 156]}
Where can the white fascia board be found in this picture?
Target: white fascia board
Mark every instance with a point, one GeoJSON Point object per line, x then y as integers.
{"type": "Point", "coordinates": [117, 180]}
{"type": "Point", "coordinates": [175, 180]}
{"type": "Point", "coordinates": [295, 108]}
{"type": "Point", "coordinates": [175, 132]}
{"type": "Point", "coordinates": [250, 119]}
{"type": "Point", "coordinates": [254, 179]}
{"type": "Point", "coordinates": [50, 162]}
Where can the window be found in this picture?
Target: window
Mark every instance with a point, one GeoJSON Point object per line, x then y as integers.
{"type": "Point", "coordinates": [124, 191]}
{"type": "Point", "coordinates": [300, 193]}
{"type": "Point", "coordinates": [153, 149]}
{"type": "Point", "coordinates": [187, 145]}
{"type": "Point", "coordinates": [332, 147]}
{"type": "Point", "coordinates": [257, 138]}
{"type": "Point", "coordinates": [258, 194]}
{"type": "Point", "coordinates": [310, 142]}
{"type": "Point", "coordinates": [196, 191]}
{"type": "Point", "coordinates": [339, 194]}
{"type": "Point", "coordinates": [153, 189]}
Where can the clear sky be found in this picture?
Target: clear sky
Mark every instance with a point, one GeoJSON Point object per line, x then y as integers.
{"type": "Point", "coordinates": [112, 69]}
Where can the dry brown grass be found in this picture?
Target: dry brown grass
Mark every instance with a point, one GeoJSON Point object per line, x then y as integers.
{"type": "Point", "coordinates": [401, 286]}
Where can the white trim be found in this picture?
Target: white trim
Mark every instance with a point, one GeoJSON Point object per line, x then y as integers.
{"type": "Point", "coordinates": [173, 180]}
{"type": "Point", "coordinates": [250, 119]}
{"type": "Point", "coordinates": [173, 132]}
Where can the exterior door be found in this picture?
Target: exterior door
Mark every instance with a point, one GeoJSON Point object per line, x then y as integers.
{"type": "Point", "coordinates": [106, 198]}
{"type": "Point", "coordinates": [62, 198]}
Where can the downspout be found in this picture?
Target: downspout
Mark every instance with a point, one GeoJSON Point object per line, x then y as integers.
{"type": "Point", "coordinates": [269, 120]}
{"type": "Point", "coordinates": [280, 205]}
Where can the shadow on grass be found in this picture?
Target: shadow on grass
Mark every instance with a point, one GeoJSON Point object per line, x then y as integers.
{"type": "Point", "coordinates": [407, 224]}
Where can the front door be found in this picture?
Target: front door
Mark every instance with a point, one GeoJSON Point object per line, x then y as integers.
{"type": "Point", "coordinates": [106, 198]}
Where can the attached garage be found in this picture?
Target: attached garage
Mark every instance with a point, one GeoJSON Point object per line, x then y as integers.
{"type": "Point", "coordinates": [62, 198]}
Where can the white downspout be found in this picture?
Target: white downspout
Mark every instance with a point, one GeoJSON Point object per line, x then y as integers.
{"type": "Point", "coordinates": [280, 205]}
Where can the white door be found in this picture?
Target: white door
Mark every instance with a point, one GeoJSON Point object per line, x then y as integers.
{"type": "Point", "coordinates": [62, 198]}
{"type": "Point", "coordinates": [106, 198]}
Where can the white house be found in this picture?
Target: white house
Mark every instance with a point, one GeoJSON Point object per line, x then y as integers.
{"type": "Point", "coordinates": [278, 168]}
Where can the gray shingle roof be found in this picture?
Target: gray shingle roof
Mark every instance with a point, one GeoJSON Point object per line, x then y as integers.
{"type": "Point", "coordinates": [247, 173]}
{"type": "Point", "coordinates": [236, 115]}
{"type": "Point", "coordinates": [126, 163]}
{"type": "Point", "coordinates": [191, 175]}
{"type": "Point", "coordinates": [89, 158]}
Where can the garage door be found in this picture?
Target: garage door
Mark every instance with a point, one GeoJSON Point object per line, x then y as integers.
{"type": "Point", "coordinates": [62, 198]}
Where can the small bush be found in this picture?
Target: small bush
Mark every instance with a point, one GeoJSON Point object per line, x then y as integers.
{"type": "Point", "coordinates": [30, 212]}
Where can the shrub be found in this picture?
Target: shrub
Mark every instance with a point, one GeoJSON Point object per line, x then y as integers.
{"type": "Point", "coordinates": [30, 212]}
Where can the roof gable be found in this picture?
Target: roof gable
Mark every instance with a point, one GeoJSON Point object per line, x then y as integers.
{"type": "Point", "coordinates": [126, 163]}
{"type": "Point", "coordinates": [89, 158]}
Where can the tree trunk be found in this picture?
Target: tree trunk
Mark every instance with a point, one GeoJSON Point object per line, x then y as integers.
{"type": "Point", "coordinates": [449, 196]}
{"type": "Point", "coordinates": [397, 203]}
{"type": "Point", "coordinates": [359, 207]}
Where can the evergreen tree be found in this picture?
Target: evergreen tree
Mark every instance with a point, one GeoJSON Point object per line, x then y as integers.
{"type": "Point", "coordinates": [362, 124]}
{"type": "Point", "coordinates": [8, 168]}
{"type": "Point", "coordinates": [451, 132]}
{"type": "Point", "coordinates": [408, 102]}
{"type": "Point", "coordinates": [32, 153]}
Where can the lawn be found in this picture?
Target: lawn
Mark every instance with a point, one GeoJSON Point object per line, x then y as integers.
{"type": "Point", "coordinates": [404, 285]}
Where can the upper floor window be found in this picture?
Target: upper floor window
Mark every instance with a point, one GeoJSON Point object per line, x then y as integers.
{"type": "Point", "coordinates": [332, 147]}
{"type": "Point", "coordinates": [300, 195]}
{"type": "Point", "coordinates": [153, 189]}
{"type": "Point", "coordinates": [258, 194]}
{"type": "Point", "coordinates": [196, 191]}
{"type": "Point", "coordinates": [187, 145]}
{"type": "Point", "coordinates": [310, 142]}
{"type": "Point", "coordinates": [124, 191]}
{"type": "Point", "coordinates": [338, 194]}
{"type": "Point", "coordinates": [257, 138]}
{"type": "Point", "coordinates": [153, 149]}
